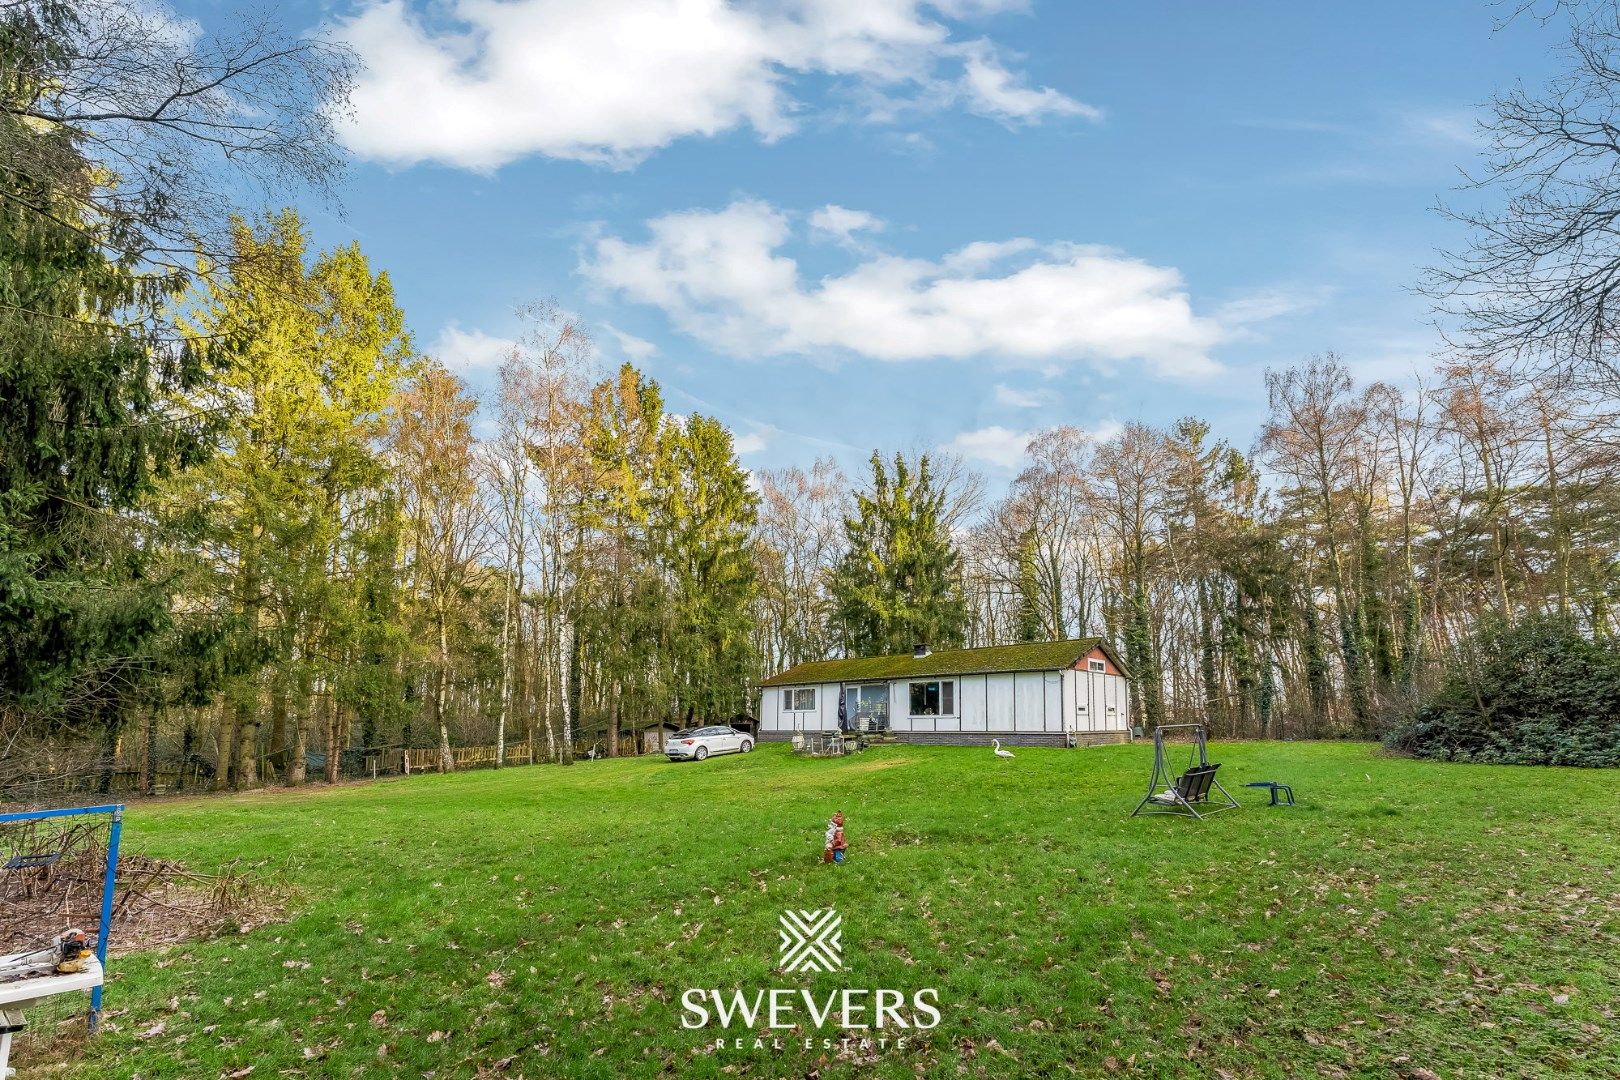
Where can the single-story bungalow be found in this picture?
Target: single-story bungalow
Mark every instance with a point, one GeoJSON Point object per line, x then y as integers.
{"type": "Point", "coordinates": [1052, 693]}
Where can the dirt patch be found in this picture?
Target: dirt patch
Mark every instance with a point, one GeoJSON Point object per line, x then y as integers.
{"type": "Point", "coordinates": [873, 764]}
{"type": "Point", "coordinates": [53, 876]}
{"type": "Point", "coordinates": [829, 770]}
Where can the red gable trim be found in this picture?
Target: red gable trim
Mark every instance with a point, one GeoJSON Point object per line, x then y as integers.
{"type": "Point", "coordinates": [1084, 663]}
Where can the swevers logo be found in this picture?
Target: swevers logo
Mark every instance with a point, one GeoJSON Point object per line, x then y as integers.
{"type": "Point", "coordinates": [812, 942]}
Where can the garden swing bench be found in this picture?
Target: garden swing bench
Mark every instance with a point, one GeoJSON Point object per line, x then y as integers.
{"type": "Point", "coordinates": [1194, 788]}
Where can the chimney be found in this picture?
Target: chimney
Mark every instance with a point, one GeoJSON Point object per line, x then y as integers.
{"type": "Point", "coordinates": [920, 650]}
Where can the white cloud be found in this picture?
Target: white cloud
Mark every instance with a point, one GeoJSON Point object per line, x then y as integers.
{"type": "Point", "coordinates": [1459, 127]}
{"type": "Point", "coordinates": [1005, 448]}
{"type": "Point", "coordinates": [1000, 446]}
{"type": "Point", "coordinates": [636, 348]}
{"type": "Point", "coordinates": [839, 224]}
{"type": "Point", "coordinates": [1107, 430]}
{"type": "Point", "coordinates": [1022, 399]}
{"type": "Point", "coordinates": [1263, 305]}
{"type": "Point", "coordinates": [721, 277]}
{"type": "Point", "coordinates": [479, 83]}
{"type": "Point", "coordinates": [991, 90]}
{"type": "Point", "coordinates": [751, 443]}
{"type": "Point", "coordinates": [469, 350]}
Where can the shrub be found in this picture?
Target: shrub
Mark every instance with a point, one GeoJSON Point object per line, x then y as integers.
{"type": "Point", "coordinates": [1533, 693]}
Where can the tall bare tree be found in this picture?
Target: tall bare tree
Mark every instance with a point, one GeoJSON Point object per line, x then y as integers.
{"type": "Point", "coordinates": [176, 123]}
{"type": "Point", "coordinates": [445, 528]}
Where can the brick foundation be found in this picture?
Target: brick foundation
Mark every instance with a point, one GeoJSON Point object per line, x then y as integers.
{"type": "Point", "coordinates": [983, 738]}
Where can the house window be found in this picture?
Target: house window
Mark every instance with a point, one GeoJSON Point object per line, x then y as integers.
{"type": "Point", "coordinates": [1097, 665]}
{"type": "Point", "coordinates": [799, 700]}
{"type": "Point", "coordinates": [933, 698]}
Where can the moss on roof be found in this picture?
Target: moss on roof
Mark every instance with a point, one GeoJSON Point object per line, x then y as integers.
{"type": "Point", "coordinates": [1037, 656]}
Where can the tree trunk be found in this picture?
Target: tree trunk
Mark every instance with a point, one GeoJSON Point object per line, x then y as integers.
{"type": "Point", "coordinates": [1555, 518]}
{"type": "Point", "coordinates": [513, 551]}
{"type": "Point", "coordinates": [446, 759]}
{"type": "Point", "coordinates": [506, 682]}
{"type": "Point", "coordinates": [298, 765]}
{"type": "Point", "coordinates": [1206, 651]}
{"type": "Point", "coordinates": [247, 747]}
{"type": "Point", "coordinates": [337, 738]}
{"type": "Point", "coordinates": [225, 744]}
{"type": "Point", "coordinates": [187, 742]}
{"type": "Point", "coordinates": [278, 758]}
{"type": "Point", "coordinates": [149, 762]}
{"type": "Point", "coordinates": [565, 668]}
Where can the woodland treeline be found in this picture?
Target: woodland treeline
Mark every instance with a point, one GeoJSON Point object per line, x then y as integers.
{"type": "Point", "coordinates": [247, 528]}
{"type": "Point", "coordinates": [1308, 585]}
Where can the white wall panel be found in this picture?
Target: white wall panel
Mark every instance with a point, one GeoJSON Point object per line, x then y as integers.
{"type": "Point", "coordinates": [900, 706]}
{"type": "Point", "coordinates": [999, 707]}
{"type": "Point", "coordinates": [970, 701]}
{"type": "Point", "coordinates": [1029, 706]}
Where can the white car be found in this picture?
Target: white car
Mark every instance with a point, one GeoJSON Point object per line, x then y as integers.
{"type": "Point", "coordinates": [699, 743]}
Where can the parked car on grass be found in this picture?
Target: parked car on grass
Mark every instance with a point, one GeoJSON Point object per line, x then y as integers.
{"type": "Point", "coordinates": [698, 743]}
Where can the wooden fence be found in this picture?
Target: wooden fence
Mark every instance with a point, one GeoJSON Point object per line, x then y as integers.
{"type": "Point", "coordinates": [426, 759]}
{"type": "Point", "coordinates": [126, 780]}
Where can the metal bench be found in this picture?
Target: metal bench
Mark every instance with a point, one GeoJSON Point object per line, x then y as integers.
{"type": "Point", "coordinates": [1288, 792]}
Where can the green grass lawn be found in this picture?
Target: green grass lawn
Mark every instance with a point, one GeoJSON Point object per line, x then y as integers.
{"type": "Point", "coordinates": [1407, 918]}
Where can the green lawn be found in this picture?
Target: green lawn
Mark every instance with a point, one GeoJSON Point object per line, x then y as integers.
{"type": "Point", "coordinates": [1407, 918]}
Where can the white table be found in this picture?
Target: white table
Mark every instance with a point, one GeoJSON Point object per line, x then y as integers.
{"type": "Point", "coordinates": [22, 994]}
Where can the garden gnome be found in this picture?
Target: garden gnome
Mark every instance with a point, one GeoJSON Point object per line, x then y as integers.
{"type": "Point", "coordinates": [834, 844]}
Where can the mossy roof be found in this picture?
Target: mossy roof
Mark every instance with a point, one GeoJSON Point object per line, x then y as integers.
{"type": "Point", "coordinates": [1037, 656]}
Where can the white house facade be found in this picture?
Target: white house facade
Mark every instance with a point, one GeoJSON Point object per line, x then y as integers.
{"type": "Point", "coordinates": [1054, 693]}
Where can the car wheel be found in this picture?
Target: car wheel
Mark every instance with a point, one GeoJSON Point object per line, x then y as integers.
{"type": "Point", "coordinates": [747, 746]}
{"type": "Point", "coordinates": [701, 753]}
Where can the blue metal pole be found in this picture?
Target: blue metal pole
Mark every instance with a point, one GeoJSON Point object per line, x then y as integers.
{"type": "Point", "coordinates": [72, 811]}
{"type": "Point", "coordinates": [104, 931]}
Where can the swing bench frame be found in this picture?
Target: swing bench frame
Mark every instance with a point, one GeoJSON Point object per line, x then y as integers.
{"type": "Point", "coordinates": [1192, 789]}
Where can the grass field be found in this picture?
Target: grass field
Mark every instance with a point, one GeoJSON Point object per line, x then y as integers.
{"type": "Point", "coordinates": [1406, 918]}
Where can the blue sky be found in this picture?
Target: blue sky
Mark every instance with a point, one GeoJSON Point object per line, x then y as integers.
{"type": "Point", "coordinates": [839, 226]}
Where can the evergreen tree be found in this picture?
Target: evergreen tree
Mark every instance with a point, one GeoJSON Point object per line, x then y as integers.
{"type": "Point", "coordinates": [621, 605]}
{"type": "Point", "coordinates": [1031, 626]}
{"type": "Point", "coordinates": [705, 519]}
{"type": "Point", "coordinates": [320, 350]}
{"type": "Point", "coordinates": [86, 372]}
{"type": "Point", "coordinates": [899, 583]}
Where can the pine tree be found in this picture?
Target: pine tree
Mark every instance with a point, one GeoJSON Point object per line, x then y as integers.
{"type": "Point", "coordinates": [86, 371]}
{"type": "Point", "coordinates": [1030, 623]}
{"type": "Point", "coordinates": [319, 351]}
{"type": "Point", "coordinates": [621, 606]}
{"type": "Point", "coordinates": [705, 519]}
{"type": "Point", "coordinates": [899, 583]}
